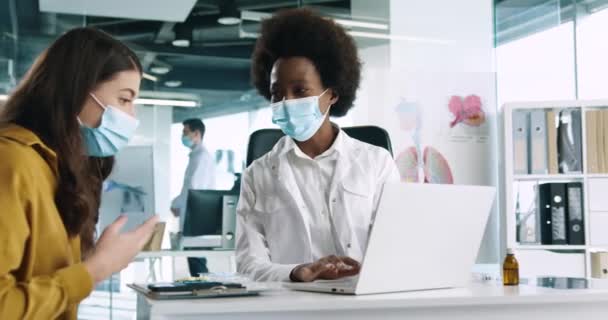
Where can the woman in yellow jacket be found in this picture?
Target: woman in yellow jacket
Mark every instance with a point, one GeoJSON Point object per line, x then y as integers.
{"type": "Point", "coordinates": [72, 111]}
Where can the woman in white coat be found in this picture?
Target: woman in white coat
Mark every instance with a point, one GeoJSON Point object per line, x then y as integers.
{"type": "Point", "coordinates": [306, 207]}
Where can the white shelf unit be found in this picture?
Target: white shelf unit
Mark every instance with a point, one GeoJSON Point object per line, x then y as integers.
{"type": "Point", "coordinates": [547, 177]}
{"type": "Point", "coordinates": [509, 222]}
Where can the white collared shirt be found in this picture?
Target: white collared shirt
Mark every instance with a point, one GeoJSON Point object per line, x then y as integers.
{"type": "Point", "coordinates": [313, 177]}
{"type": "Point", "coordinates": [279, 225]}
{"type": "Point", "coordinates": [200, 175]}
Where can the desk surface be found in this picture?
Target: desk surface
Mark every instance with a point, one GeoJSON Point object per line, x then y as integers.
{"type": "Point", "coordinates": [283, 300]}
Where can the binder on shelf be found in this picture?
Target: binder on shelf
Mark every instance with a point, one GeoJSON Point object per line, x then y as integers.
{"type": "Point", "coordinates": [576, 225]}
{"type": "Point", "coordinates": [552, 198]}
{"type": "Point", "coordinates": [538, 142]}
{"type": "Point", "coordinates": [521, 125]}
{"type": "Point", "coordinates": [570, 150]}
{"type": "Point", "coordinates": [552, 148]}
{"type": "Point", "coordinates": [592, 141]}
{"type": "Point", "coordinates": [599, 264]}
{"type": "Point", "coordinates": [577, 134]}
{"type": "Point", "coordinates": [558, 214]}
{"type": "Point", "coordinates": [604, 145]}
{"type": "Point", "coordinates": [544, 208]}
{"type": "Point", "coordinates": [601, 153]}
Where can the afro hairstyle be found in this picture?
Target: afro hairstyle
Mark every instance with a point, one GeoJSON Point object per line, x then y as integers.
{"type": "Point", "coordinates": [304, 33]}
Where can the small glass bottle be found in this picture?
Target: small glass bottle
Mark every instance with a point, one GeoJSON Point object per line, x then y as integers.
{"type": "Point", "coordinates": [510, 270]}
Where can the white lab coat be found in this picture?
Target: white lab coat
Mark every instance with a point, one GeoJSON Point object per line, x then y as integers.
{"type": "Point", "coordinates": [200, 175]}
{"type": "Point", "coordinates": [273, 235]}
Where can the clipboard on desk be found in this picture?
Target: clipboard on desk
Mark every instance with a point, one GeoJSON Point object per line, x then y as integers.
{"type": "Point", "coordinates": [194, 290]}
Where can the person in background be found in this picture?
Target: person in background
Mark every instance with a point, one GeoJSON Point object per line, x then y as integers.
{"type": "Point", "coordinates": [200, 172]}
{"type": "Point", "coordinates": [306, 207]}
{"type": "Point", "coordinates": [59, 129]}
{"type": "Point", "coordinates": [200, 175]}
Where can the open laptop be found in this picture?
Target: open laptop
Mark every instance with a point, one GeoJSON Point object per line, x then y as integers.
{"type": "Point", "coordinates": [424, 237]}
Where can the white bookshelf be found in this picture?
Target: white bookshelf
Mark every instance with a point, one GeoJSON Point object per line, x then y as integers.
{"type": "Point", "coordinates": [549, 247]}
{"type": "Point", "coordinates": [509, 223]}
{"type": "Point", "coordinates": [547, 177]}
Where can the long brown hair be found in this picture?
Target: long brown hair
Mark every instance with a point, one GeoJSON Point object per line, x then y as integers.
{"type": "Point", "coordinates": [48, 101]}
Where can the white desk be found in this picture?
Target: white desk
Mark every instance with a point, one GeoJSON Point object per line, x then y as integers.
{"type": "Point", "coordinates": [479, 301]}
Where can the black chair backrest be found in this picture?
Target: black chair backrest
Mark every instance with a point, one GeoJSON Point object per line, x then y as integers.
{"type": "Point", "coordinates": [262, 141]}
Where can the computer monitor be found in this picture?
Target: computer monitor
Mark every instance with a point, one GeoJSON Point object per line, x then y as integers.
{"type": "Point", "coordinates": [210, 219]}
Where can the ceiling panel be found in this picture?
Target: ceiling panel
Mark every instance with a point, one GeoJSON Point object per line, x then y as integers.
{"type": "Point", "coordinates": [177, 11]}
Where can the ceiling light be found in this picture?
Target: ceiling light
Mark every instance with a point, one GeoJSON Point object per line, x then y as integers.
{"type": "Point", "coordinates": [375, 35]}
{"type": "Point", "coordinates": [184, 43]}
{"type": "Point", "coordinates": [183, 35]}
{"type": "Point", "coordinates": [229, 13]}
{"type": "Point", "coordinates": [150, 77]}
{"type": "Point", "coordinates": [165, 102]}
{"type": "Point", "coordinates": [361, 24]}
{"type": "Point", "coordinates": [160, 69]}
{"type": "Point", "coordinates": [259, 16]}
{"type": "Point", "coordinates": [173, 83]}
{"type": "Point", "coordinates": [229, 21]}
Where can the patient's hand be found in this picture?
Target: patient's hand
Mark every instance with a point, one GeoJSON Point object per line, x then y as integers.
{"type": "Point", "coordinates": [328, 268]}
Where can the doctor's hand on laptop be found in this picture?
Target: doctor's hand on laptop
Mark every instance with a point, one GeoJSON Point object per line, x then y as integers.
{"type": "Point", "coordinates": [328, 268]}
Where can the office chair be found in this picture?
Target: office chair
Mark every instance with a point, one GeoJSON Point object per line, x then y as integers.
{"type": "Point", "coordinates": [262, 141]}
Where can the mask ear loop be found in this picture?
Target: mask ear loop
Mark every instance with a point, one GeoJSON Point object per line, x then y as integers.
{"type": "Point", "coordinates": [329, 107]}
{"type": "Point", "coordinates": [98, 102]}
{"type": "Point", "coordinates": [322, 93]}
{"type": "Point", "coordinates": [326, 115]}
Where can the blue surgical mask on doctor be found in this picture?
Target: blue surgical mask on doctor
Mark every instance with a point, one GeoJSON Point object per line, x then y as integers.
{"type": "Point", "coordinates": [114, 131]}
{"type": "Point", "coordinates": [299, 118]}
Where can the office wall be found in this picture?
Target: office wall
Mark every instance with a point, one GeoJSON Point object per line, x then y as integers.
{"type": "Point", "coordinates": [155, 129]}
{"type": "Point", "coordinates": [438, 49]}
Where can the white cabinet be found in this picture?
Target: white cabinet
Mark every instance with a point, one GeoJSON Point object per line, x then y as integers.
{"type": "Point", "coordinates": [536, 263]}
{"type": "Point", "coordinates": [598, 195]}
{"type": "Point", "coordinates": [598, 222]}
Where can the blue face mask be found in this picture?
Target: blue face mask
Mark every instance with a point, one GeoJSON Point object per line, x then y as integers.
{"type": "Point", "coordinates": [114, 132]}
{"type": "Point", "coordinates": [299, 118]}
{"type": "Point", "coordinates": [187, 142]}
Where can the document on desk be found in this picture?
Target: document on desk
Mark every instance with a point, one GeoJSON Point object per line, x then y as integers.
{"type": "Point", "coordinates": [181, 291]}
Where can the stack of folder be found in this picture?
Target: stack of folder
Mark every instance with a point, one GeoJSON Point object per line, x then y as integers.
{"type": "Point", "coordinates": [597, 140]}
{"type": "Point", "coordinates": [547, 141]}
{"type": "Point", "coordinates": [561, 213]}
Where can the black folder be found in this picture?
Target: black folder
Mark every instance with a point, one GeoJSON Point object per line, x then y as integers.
{"type": "Point", "coordinates": [576, 224]}
{"type": "Point", "coordinates": [552, 207]}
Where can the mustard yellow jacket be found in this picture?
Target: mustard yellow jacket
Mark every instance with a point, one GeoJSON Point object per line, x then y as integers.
{"type": "Point", "coordinates": [41, 274]}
